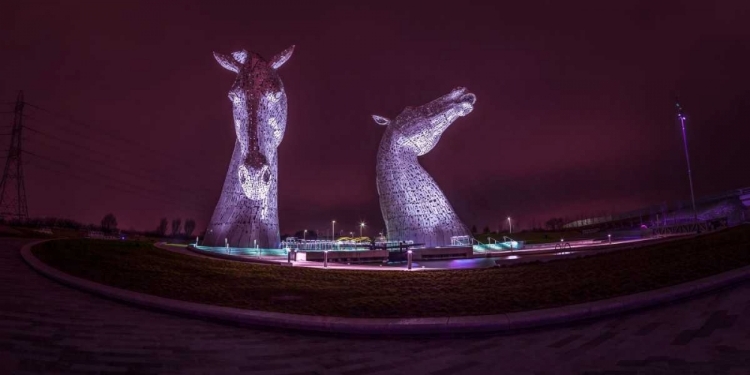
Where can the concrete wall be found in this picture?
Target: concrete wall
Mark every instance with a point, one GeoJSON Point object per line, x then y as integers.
{"type": "Point", "coordinates": [443, 253]}
{"type": "Point", "coordinates": [345, 256]}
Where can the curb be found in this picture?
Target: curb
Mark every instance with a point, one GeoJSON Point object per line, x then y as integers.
{"type": "Point", "coordinates": [237, 258]}
{"type": "Point", "coordinates": [390, 326]}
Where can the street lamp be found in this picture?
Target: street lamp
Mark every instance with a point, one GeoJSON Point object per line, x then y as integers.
{"type": "Point", "coordinates": [304, 235]}
{"type": "Point", "coordinates": [361, 226]}
{"type": "Point", "coordinates": [510, 225]}
{"type": "Point", "coordinates": [682, 118]}
{"type": "Point", "coordinates": [333, 230]}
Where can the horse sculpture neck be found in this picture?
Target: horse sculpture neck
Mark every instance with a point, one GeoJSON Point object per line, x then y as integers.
{"type": "Point", "coordinates": [248, 223]}
{"type": "Point", "coordinates": [413, 206]}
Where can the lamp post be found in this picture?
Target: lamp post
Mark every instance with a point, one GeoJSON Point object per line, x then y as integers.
{"type": "Point", "coordinates": [682, 118]}
{"type": "Point", "coordinates": [333, 230]}
{"type": "Point", "coordinates": [304, 235]}
{"type": "Point", "coordinates": [510, 226]}
{"type": "Point", "coordinates": [361, 226]}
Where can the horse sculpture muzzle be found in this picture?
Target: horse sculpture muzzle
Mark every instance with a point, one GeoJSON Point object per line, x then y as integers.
{"type": "Point", "coordinates": [255, 176]}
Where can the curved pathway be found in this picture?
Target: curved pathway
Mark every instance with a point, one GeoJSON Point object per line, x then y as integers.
{"type": "Point", "coordinates": [48, 328]}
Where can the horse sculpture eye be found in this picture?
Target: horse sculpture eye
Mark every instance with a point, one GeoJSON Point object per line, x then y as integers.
{"type": "Point", "coordinates": [273, 97]}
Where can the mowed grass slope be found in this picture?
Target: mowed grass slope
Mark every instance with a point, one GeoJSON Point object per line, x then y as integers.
{"type": "Point", "coordinates": [141, 267]}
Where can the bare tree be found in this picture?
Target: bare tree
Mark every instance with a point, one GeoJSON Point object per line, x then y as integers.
{"type": "Point", "coordinates": [176, 223]}
{"type": "Point", "coordinates": [554, 223]}
{"type": "Point", "coordinates": [189, 227]}
{"type": "Point", "coordinates": [161, 230]}
{"type": "Point", "coordinates": [109, 223]}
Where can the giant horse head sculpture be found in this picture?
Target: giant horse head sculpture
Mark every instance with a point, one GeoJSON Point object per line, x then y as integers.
{"type": "Point", "coordinates": [413, 206]}
{"type": "Point", "coordinates": [259, 103]}
{"type": "Point", "coordinates": [418, 129]}
{"type": "Point", "coordinates": [247, 212]}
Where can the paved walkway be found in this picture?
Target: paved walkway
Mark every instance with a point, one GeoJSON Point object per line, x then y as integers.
{"type": "Point", "coordinates": [544, 253]}
{"type": "Point", "coordinates": [48, 328]}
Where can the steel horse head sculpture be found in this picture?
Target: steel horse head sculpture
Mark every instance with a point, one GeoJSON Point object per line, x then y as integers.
{"type": "Point", "coordinates": [247, 212]}
{"type": "Point", "coordinates": [413, 206]}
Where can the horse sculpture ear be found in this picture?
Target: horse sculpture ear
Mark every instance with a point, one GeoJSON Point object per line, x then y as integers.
{"type": "Point", "coordinates": [279, 60]}
{"type": "Point", "coordinates": [227, 62]}
{"type": "Point", "coordinates": [380, 120]}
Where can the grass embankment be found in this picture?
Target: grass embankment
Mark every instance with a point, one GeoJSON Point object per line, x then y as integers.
{"type": "Point", "coordinates": [22, 232]}
{"type": "Point", "coordinates": [143, 268]}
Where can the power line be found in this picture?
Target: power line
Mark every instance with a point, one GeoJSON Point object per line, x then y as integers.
{"type": "Point", "coordinates": [71, 120]}
{"type": "Point", "coordinates": [105, 154]}
{"type": "Point", "coordinates": [143, 176]}
{"type": "Point", "coordinates": [80, 134]}
{"type": "Point", "coordinates": [138, 188]}
{"type": "Point", "coordinates": [111, 186]}
{"type": "Point", "coordinates": [80, 130]}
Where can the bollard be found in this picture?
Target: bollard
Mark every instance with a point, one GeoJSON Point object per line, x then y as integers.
{"type": "Point", "coordinates": [408, 260]}
{"type": "Point", "coordinates": [610, 238]}
{"type": "Point", "coordinates": [196, 241]}
{"type": "Point", "coordinates": [325, 258]}
{"type": "Point", "coordinates": [288, 256]}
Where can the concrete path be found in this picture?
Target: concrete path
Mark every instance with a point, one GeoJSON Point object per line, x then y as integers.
{"type": "Point", "coordinates": [479, 260]}
{"type": "Point", "coordinates": [47, 328]}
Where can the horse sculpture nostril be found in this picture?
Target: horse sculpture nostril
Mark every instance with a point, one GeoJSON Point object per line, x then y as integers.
{"type": "Point", "coordinates": [469, 98]}
{"type": "Point", "coordinates": [267, 176]}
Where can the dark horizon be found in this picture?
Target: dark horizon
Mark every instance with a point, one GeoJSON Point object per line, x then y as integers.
{"type": "Point", "coordinates": [575, 111]}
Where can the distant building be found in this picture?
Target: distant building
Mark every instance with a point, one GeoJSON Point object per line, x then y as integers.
{"type": "Point", "coordinates": [729, 208]}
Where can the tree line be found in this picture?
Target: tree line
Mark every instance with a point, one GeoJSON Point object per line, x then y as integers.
{"type": "Point", "coordinates": [553, 224]}
{"type": "Point", "coordinates": [108, 225]}
{"type": "Point", "coordinates": [178, 229]}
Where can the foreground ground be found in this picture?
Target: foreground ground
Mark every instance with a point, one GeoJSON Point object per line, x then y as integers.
{"type": "Point", "coordinates": [47, 328]}
{"type": "Point", "coordinates": [142, 268]}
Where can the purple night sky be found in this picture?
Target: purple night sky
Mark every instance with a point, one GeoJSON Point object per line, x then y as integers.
{"type": "Point", "coordinates": [575, 112]}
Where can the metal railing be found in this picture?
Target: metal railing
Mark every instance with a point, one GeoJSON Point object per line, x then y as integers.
{"type": "Point", "coordinates": [562, 245]}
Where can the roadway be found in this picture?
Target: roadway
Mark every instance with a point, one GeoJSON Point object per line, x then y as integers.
{"type": "Point", "coordinates": [48, 328]}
